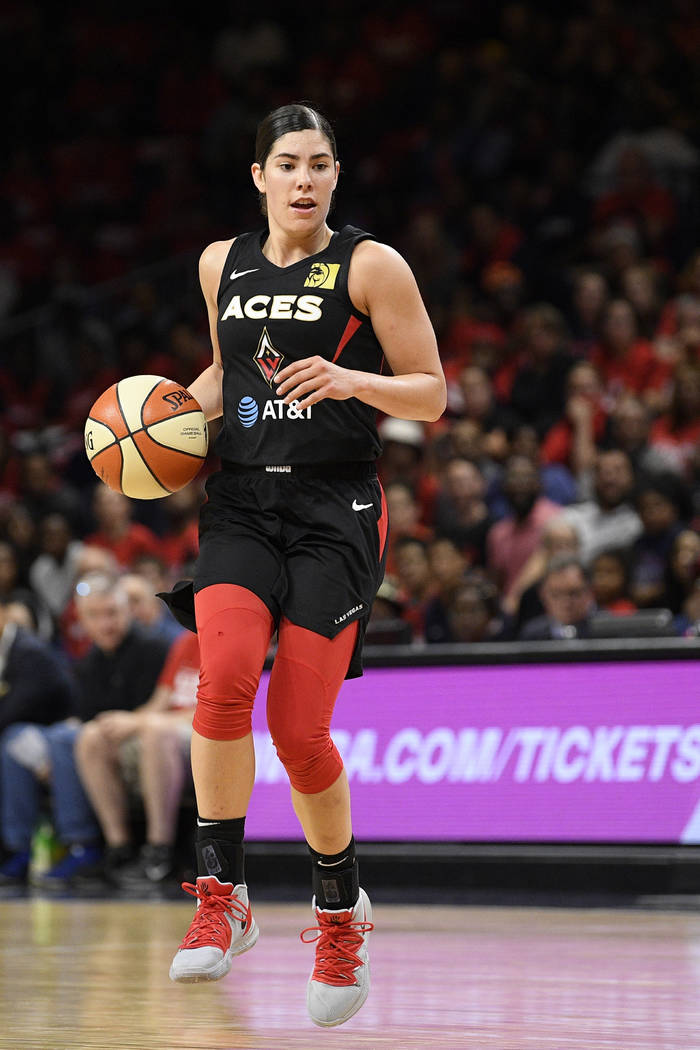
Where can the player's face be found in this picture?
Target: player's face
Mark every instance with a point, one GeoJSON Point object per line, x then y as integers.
{"type": "Point", "coordinates": [298, 180]}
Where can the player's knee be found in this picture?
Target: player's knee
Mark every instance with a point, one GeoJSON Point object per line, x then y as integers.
{"type": "Point", "coordinates": [312, 762]}
{"type": "Point", "coordinates": [228, 680]}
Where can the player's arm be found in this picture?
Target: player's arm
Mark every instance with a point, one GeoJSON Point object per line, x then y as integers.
{"type": "Point", "coordinates": [382, 285]}
{"type": "Point", "coordinates": [206, 388]}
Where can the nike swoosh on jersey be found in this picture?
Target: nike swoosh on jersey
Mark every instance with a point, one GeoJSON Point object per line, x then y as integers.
{"type": "Point", "coordinates": [242, 273]}
{"type": "Point", "coordinates": [360, 506]}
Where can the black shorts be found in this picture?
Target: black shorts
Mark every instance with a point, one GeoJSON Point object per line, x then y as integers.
{"type": "Point", "coordinates": [310, 543]}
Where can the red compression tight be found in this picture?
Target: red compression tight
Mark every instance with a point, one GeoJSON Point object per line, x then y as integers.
{"type": "Point", "coordinates": [306, 678]}
{"type": "Point", "coordinates": [234, 628]}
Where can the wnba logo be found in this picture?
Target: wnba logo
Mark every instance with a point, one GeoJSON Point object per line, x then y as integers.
{"type": "Point", "coordinates": [247, 411]}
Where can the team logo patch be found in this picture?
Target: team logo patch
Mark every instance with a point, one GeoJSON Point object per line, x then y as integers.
{"type": "Point", "coordinates": [268, 360]}
{"type": "Point", "coordinates": [322, 275]}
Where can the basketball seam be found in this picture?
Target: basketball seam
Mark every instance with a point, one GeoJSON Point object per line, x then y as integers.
{"type": "Point", "coordinates": [145, 462]}
{"type": "Point", "coordinates": [143, 425]}
{"type": "Point", "coordinates": [130, 434]}
{"type": "Point", "coordinates": [180, 451]}
{"type": "Point", "coordinates": [91, 419]}
{"type": "Point", "coordinates": [116, 443]}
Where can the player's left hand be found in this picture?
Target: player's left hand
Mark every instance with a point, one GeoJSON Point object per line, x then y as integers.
{"type": "Point", "coordinates": [313, 379]}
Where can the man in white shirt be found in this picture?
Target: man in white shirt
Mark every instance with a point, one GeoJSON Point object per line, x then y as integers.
{"type": "Point", "coordinates": [608, 520]}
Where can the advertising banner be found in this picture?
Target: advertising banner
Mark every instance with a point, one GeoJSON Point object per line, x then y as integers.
{"type": "Point", "coordinates": [587, 752]}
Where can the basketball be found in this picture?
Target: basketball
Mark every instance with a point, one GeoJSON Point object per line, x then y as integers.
{"type": "Point", "coordinates": [146, 436]}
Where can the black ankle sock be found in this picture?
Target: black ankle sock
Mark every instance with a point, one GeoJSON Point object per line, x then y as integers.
{"type": "Point", "coordinates": [335, 878]}
{"type": "Point", "coordinates": [219, 849]}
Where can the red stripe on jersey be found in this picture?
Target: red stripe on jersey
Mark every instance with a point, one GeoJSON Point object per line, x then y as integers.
{"type": "Point", "coordinates": [383, 525]}
{"type": "Point", "coordinates": [350, 329]}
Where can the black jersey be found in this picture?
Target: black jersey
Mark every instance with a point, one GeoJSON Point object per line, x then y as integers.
{"type": "Point", "coordinates": [270, 316]}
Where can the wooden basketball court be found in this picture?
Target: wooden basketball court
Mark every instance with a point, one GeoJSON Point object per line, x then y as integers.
{"type": "Point", "coordinates": [78, 974]}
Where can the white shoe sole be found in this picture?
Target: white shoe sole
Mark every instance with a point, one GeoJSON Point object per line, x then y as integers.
{"type": "Point", "coordinates": [215, 973]}
{"type": "Point", "coordinates": [346, 1016]}
{"type": "Point", "coordinates": [359, 1002]}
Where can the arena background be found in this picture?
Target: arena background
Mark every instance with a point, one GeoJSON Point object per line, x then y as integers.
{"type": "Point", "coordinates": [505, 150]}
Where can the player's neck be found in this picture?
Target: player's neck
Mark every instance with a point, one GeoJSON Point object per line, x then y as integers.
{"type": "Point", "coordinates": [283, 248]}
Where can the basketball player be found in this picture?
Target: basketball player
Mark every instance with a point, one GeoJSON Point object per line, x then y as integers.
{"type": "Point", "coordinates": [293, 534]}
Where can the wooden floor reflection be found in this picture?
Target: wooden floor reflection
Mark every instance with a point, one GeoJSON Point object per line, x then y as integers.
{"type": "Point", "coordinates": [77, 974]}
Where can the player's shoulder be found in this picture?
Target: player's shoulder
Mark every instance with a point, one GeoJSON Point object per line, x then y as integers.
{"type": "Point", "coordinates": [376, 267]}
{"type": "Point", "coordinates": [370, 253]}
{"type": "Point", "coordinates": [214, 255]}
{"type": "Point", "coordinates": [211, 265]}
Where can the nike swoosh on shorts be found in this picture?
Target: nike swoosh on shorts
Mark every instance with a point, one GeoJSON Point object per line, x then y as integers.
{"type": "Point", "coordinates": [360, 506]}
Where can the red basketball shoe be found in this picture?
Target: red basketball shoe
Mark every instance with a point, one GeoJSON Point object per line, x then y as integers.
{"type": "Point", "coordinates": [339, 982]}
{"type": "Point", "coordinates": [223, 926]}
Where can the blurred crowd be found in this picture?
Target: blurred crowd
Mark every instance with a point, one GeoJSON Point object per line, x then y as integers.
{"type": "Point", "coordinates": [538, 168]}
{"type": "Point", "coordinates": [536, 164]}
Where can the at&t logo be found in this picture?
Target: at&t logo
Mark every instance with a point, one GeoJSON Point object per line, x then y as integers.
{"type": "Point", "coordinates": [247, 411]}
{"type": "Point", "coordinates": [274, 408]}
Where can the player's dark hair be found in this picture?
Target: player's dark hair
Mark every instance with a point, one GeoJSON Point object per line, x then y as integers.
{"type": "Point", "coordinates": [298, 116]}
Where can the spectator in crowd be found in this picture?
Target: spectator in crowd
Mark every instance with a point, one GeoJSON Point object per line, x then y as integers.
{"type": "Point", "coordinates": [36, 684]}
{"type": "Point", "coordinates": [676, 433]}
{"type": "Point", "coordinates": [476, 400]}
{"type": "Point", "coordinates": [44, 491]}
{"type": "Point", "coordinates": [629, 429]}
{"type": "Point", "coordinates": [640, 285]}
{"type": "Point", "coordinates": [116, 530]}
{"type": "Point", "coordinates": [664, 510]}
{"type": "Point", "coordinates": [404, 459]}
{"type": "Point", "coordinates": [416, 586]}
{"type": "Point", "coordinates": [524, 603]}
{"type": "Point", "coordinates": [589, 296]}
{"type": "Point", "coordinates": [511, 541]}
{"type": "Point", "coordinates": [144, 750]}
{"type": "Point", "coordinates": [73, 639]}
{"type": "Point", "coordinates": [52, 574]}
{"type": "Point", "coordinates": [610, 582]}
{"type": "Point", "coordinates": [466, 439]}
{"type": "Point", "coordinates": [572, 440]}
{"type": "Point", "coordinates": [474, 613]}
{"type": "Point", "coordinates": [461, 512]}
{"type": "Point", "coordinates": [148, 610]}
{"type": "Point", "coordinates": [638, 198]}
{"type": "Point", "coordinates": [20, 530]}
{"type": "Point", "coordinates": [556, 480]}
{"type": "Point", "coordinates": [448, 567]}
{"type": "Point", "coordinates": [609, 518]}
{"type": "Point", "coordinates": [683, 308]}
{"type": "Point", "coordinates": [405, 518]}
{"type": "Point", "coordinates": [387, 625]}
{"type": "Point", "coordinates": [179, 543]}
{"type": "Point", "coordinates": [625, 361]}
{"type": "Point", "coordinates": [539, 385]}
{"type": "Point", "coordinates": [567, 599]}
{"type": "Point", "coordinates": [119, 672]}
{"type": "Point", "coordinates": [10, 574]}
{"type": "Point", "coordinates": [682, 570]}
{"type": "Point", "coordinates": [21, 611]}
